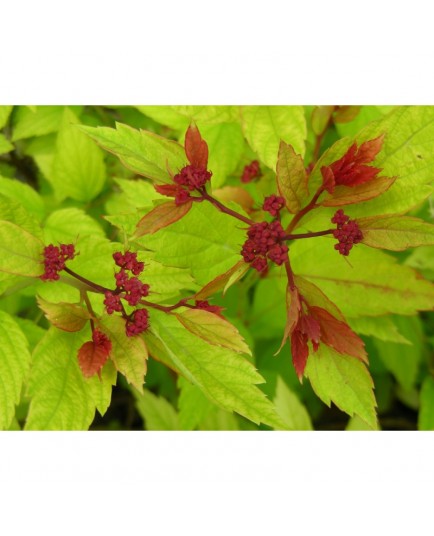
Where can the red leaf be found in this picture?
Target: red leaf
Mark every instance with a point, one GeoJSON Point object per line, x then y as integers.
{"type": "Point", "coordinates": [339, 335]}
{"type": "Point", "coordinates": [293, 308]}
{"type": "Point", "coordinates": [300, 352]}
{"type": "Point", "coordinates": [328, 179]}
{"type": "Point", "coordinates": [93, 354]}
{"type": "Point", "coordinates": [351, 170]}
{"type": "Point", "coordinates": [161, 216]}
{"type": "Point", "coordinates": [169, 190]}
{"type": "Point", "coordinates": [196, 148]}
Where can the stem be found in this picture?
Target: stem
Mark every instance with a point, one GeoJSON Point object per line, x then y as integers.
{"type": "Point", "coordinates": [310, 206]}
{"type": "Point", "coordinates": [318, 142]}
{"type": "Point", "coordinates": [167, 308]}
{"type": "Point", "coordinates": [290, 274]}
{"type": "Point", "coordinates": [95, 286]}
{"type": "Point", "coordinates": [89, 308]}
{"type": "Point", "coordinates": [226, 210]}
{"type": "Point", "coordinates": [307, 235]}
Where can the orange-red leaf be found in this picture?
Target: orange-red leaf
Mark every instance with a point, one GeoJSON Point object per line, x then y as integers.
{"type": "Point", "coordinates": [93, 354]}
{"type": "Point", "coordinates": [299, 351]}
{"type": "Point", "coordinates": [339, 335]}
{"type": "Point", "coordinates": [196, 149]}
{"type": "Point", "coordinates": [352, 169]}
{"type": "Point", "coordinates": [161, 216]}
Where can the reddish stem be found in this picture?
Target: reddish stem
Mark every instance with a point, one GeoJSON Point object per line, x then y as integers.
{"type": "Point", "coordinates": [226, 210]}
{"type": "Point", "coordinates": [95, 286]}
{"type": "Point", "coordinates": [307, 235]}
{"type": "Point", "coordinates": [310, 206]}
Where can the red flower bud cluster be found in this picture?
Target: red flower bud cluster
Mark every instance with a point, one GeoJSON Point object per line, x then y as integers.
{"type": "Point", "coordinates": [131, 289]}
{"type": "Point", "coordinates": [129, 261]}
{"type": "Point", "coordinates": [192, 178]}
{"type": "Point", "coordinates": [188, 179]}
{"type": "Point", "coordinates": [265, 241]}
{"type": "Point", "coordinates": [137, 323]}
{"type": "Point", "coordinates": [251, 171]}
{"type": "Point", "coordinates": [273, 204]}
{"type": "Point", "coordinates": [347, 232]}
{"type": "Point", "coordinates": [54, 260]}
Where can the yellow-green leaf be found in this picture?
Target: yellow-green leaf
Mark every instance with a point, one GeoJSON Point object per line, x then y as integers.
{"type": "Point", "coordinates": [343, 380]}
{"type": "Point", "coordinates": [265, 126]}
{"type": "Point", "coordinates": [143, 152]}
{"type": "Point", "coordinates": [20, 251]}
{"type": "Point", "coordinates": [213, 329]}
{"type": "Point", "coordinates": [14, 367]}
{"type": "Point", "coordinates": [291, 177]}
{"type": "Point", "coordinates": [129, 354]}
{"type": "Point", "coordinates": [396, 233]}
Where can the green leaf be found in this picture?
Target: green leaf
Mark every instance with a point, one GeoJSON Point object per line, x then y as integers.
{"type": "Point", "coordinates": [166, 282]}
{"type": "Point", "coordinates": [343, 380]}
{"type": "Point", "coordinates": [426, 411]}
{"type": "Point", "coordinates": [219, 420]}
{"type": "Point", "coordinates": [376, 283]}
{"type": "Point", "coordinates": [225, 144]}
{"type": "Point", "coordinates": [225, 377]}
{"type": "Point", "coordinates": [13, 211]}
{"type": "Point", "coordinates": [143, 152]}
{"type": "Point", "coordinates": [69, 225]}
{"type": "Point", "coordinates": [61, 398]}
{"type": "Point", "coordinates": [5, 112]}
{"type": "Point", "coordinates": [396, 233]}
{"type": "Point", "coordinates": [158, 413]}
{"type": "Point", "coordinates": [213, 329]}
{"type": "Point", "coordinates": [289, 407]}
{"type": "Point", "coordinates": [20, 251]}
{"type": "Point", "coordinates": [265, 126]}
{"type": "Point", "coordinates": [66, 316]}
{"type": "Point", "coordinates": [42, 120]}
{"type": "Point", "coordinates": [381, 327]}
{"type": "Point", "coordinates": [291, 177]}
{"type": "Point", "coordinates": [14, 366]}
{"type": "Point", "coordinates": [78, 165]}
{"type": "Point", "coordinates": [185, 245]}
{"type": "Point", "coordinates": [95, 261]}
{"type": "Point", "coordinates": [192, 404]}
{"type": "Point", "coordinates": [180, 117]}
{"type": "Point", "coordinates": [403, 361]}
{"type": "Point", "coordinates": [24, 194]}
{"type": "Point", "coordinates": [5, 145]}
{"type": "Point", "coordinates": [356, 424]}
{"type": "Point", "coordinates": [129, 354]}
{"type": "Point", "coordinates": [101, 388]}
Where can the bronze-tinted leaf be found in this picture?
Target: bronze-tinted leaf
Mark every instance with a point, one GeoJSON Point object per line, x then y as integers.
{"type": "Point", "coordinates": [67, 316]}
{"type": "Point", "coordinates": [161, 216]}
{"type": "Point", "coordinates": [196, 148]}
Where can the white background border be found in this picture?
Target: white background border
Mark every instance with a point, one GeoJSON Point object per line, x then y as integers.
{"type": "Point", "coordinates": [329, 52]}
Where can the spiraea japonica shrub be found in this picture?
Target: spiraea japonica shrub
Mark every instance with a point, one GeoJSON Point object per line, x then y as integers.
{"type": "Point", "coordinates": [217, 267]}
